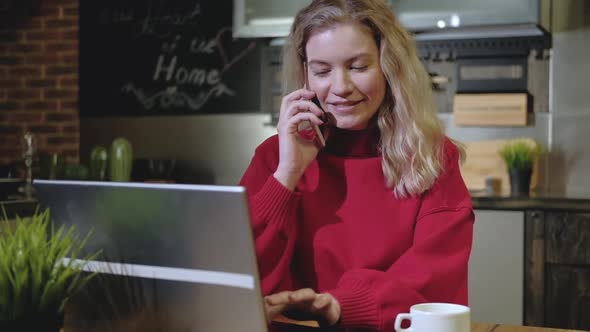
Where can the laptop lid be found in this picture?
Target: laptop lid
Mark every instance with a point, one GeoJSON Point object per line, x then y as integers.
{"type": "Point", "coordinates": [180, 255]}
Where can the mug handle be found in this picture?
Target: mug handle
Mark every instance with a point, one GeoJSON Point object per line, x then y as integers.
{"type": "Point", "coordinates": [399, 320]}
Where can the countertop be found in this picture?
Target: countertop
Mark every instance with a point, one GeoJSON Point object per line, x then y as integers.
{"type": "Point", "coordinates": [539, 201]}
{"type": "Point", "coordinates": [18, 207]}
{"type": "Point", "coordinates": [536, 201]}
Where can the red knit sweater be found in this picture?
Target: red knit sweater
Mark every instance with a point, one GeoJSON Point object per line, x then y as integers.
{"type": "Point", "coordinates": [343, 232]}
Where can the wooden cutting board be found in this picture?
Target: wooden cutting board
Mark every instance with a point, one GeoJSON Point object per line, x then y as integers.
{"type": "Point", "coordinates": [482, 161]}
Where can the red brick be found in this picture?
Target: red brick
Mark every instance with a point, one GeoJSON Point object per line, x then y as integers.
{"type": "Point", "coordinates": [70, 129]}
{"type": "Point", "coordinates": [10, 84]}
{"type": "Point", "coordinates": [42, 59]}
{"type": "Point", "coordinates": [68, 104]}
{"type": "Point", "coordinates": [42, 83]}
{"type": "Point", "coordinates": [60, 117]}
{"type": "Point", "coordinates": [61, 46]}
{"type": "Point", "coordinates": [61, 140]}
{"type": "Point", "coordinates": [24, 94]}
{"type": "Point", "coordinates": [9, 106]}
{"type": "Point", "coordinates": [70, 59]}
{"type": "Point", "coordinates": [41, 35]}
{"type": "Point", "coordinates": [25, 71]}
{"type": "Point", "coordinates": [34, 24]}
{"type": "Point", "coordinates": [12, 140]}
{"type": "Point", "coordinates": [70, 35]}
{"type": "Point", "coordinates": [61, 70]}
{"type": "Point", "coordinates": [70, 11]}
{"type": "Point", "coordinates": [10, 60]}
{"type": "Point", "coordinates": [49, 11]}
{"type": "Point", "coordinates": [63, 23]}
{"type": "Point", "coordinates": [68, 82]}
{"type": "Point", "coordinates": [41, 106]}
{"type": "Point", "coordinates": [59, 93]}
{"type": "Point", "coordinates": [27, 117]}
{"type": "Point", "coordinates": [60, 3]}
{"type": "Point", "coordinates": [13, 152]}
{"type": "Point", "coordinates": [9, 130]}
{"type": "Point", "coordinates": [42, 129]}
{"type": "Point", "coordinates": [25, 48]}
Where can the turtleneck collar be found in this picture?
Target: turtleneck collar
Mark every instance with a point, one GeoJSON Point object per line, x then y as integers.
{"type": "Point", "coordinates": [354, 143]}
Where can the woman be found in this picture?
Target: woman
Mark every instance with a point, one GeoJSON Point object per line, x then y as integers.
{"type": "Point", "coordinates": [379, 219]}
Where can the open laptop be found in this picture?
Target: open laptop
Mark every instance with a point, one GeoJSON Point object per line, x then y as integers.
{"type": "Point", "coordinates": [178, 256]}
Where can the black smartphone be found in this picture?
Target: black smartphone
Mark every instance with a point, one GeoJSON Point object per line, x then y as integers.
{"type": "Point", "coordinates": [320, 131]}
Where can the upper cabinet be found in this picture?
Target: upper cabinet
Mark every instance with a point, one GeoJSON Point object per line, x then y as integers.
{"type": "Point", "coordinates": [273, 18]}
{"type": "Point", "coordinates": [419, 15]}
{"type": "Point", "coordinates": [265, 18]}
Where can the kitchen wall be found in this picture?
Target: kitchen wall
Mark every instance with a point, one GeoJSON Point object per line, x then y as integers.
{"type": "Point", "coordinates": [217, 148]}
{"type": "Point", "coordinates": [39, 80]}
{"type": "Point", "coordinates": [209, 148]}
{"type": "Point", "coordinates": [570, 105]}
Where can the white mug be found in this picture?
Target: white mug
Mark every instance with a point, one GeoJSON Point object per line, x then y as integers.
{"type": "Point", "coordinates": [435, 317]}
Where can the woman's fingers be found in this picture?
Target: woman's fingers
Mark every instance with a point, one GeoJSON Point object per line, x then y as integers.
{"type": "Point", "coordinates": [297, 95]}
{"type": "Point", "coordinates": [277, 298]}
{"type": "Point", "coordinates": [293, 125]}
{"type": "Point", "coordinates": [273, 311]}
{"type": "Point", "coordinates": [302, 295]}
{"type": "Point", "coordinates": [321, 302]}
{"type": "Point", "coordinates": [302, 106]}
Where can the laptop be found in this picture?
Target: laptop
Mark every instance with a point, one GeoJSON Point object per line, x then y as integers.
{"type": "Point", "coordinates": [174, 257]}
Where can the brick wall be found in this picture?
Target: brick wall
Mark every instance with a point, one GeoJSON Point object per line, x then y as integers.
{"type": "Point", "coordinates": [39, 82]}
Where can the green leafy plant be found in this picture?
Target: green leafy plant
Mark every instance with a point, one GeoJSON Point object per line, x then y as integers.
{"type": "Point", "coordinates": [35, 280]}
{"type": "Point", "coordinates": [520, 154]}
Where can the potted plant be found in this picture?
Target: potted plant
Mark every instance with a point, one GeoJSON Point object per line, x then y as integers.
{"type": "Point", "coordinates": [35, 280]}
{"type": "Point", "coordinates": [520, 156]}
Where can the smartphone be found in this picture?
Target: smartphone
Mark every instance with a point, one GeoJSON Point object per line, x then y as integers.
{"type": "Point", "coordinates": [320, 131]}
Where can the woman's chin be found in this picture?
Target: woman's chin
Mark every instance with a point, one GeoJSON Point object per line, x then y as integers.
{"type": "Point", "coordinates": [351, 124]}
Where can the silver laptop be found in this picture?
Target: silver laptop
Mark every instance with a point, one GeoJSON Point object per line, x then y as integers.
{"type": "Point", "coordinates": [178, 256]}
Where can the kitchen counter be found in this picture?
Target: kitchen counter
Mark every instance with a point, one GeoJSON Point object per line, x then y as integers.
{"type": "Point", "coordinates": [20, 207]}
{"type": "Point", "coordinates": [534, 202]}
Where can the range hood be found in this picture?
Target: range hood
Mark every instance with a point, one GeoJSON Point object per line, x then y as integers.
{"type": "Point", "coordinates": [484, 40]}
{"type": "Point", "coordinates": [484, 32]}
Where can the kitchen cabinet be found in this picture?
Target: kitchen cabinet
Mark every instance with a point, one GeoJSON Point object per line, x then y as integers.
{"type": "Point", "coordinates": [496, 267]}
{"type": "Point", "coordinates": [265, 18]}
{"type": "Point", "coordinates": [427, 14]}
{"type": "Point", "coordinates": [557, 269]}
{"type": "Point", "coordinates": [273, 18]}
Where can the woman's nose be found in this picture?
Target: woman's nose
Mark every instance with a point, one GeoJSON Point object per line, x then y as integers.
{"type": "Point", "coordinates": [342, 84]}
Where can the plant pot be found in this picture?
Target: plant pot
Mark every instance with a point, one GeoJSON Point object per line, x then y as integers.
{"type": "Point", "coordinates": [520, 181]}
{"type": "Point", "coordinates": [33, 323]}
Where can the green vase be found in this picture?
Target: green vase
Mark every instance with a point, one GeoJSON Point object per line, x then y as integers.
{"type": "Point", "coordinates": [121, 160]}
{"type": "Point", "coordinates": [99, 163]}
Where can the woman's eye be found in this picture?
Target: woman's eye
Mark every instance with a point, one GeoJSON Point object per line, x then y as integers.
{"type": "Point", "coordinates": [359, 68]}
{"type": "Point", "coordinates": [321, 73]}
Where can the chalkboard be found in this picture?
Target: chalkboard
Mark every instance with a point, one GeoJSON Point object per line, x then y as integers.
{"type": "Point", "coordinates": [165, 57]}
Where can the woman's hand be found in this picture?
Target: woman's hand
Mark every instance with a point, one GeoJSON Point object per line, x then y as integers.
{"type": "Point", "coordinates": [304, 304]}
{"type": "Point", "coordinates": [295, 151]}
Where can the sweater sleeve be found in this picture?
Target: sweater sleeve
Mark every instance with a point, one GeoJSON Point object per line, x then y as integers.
{"type": "Point", "coordinates": [433, 269]}
{"type": "Point", "coordinates": [273, 209]}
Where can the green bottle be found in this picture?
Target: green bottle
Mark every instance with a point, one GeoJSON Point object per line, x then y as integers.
{"type": "Point", "coordinates": [121, 159]}
{"type": "Point", "coordinates": [99, 163]}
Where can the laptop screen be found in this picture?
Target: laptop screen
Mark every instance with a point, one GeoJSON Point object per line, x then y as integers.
{"type": "Point", "coordinates": [181, 255]}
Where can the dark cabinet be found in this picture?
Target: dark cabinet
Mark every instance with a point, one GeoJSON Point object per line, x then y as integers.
{"type": "Point", "coordinates": [567, 297]}
{"type": "Point", "coordinates": [568, 238]}
{"type": "Point", "coordinates": [557, 269]}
